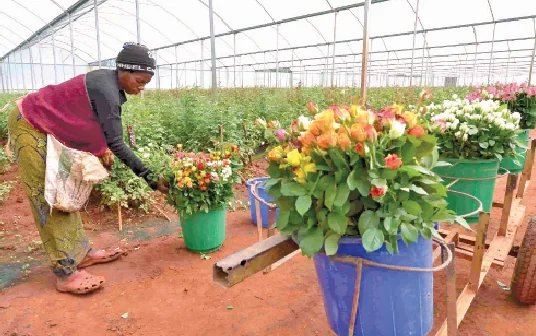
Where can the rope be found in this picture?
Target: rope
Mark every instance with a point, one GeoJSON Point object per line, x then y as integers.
{"type": "Point", "coordinates": [255, 194]}
{"type": "Point", "coordinates": [480, 207]}
{"type": "Point", "coordinates": [359, 262]}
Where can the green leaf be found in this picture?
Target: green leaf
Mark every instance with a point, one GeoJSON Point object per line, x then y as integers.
{"type": "Point", "coordinates": [273, 170]}
{"type": "Point", "coordinates": [460, 220]}
{"type": "Point", "coordinates": [329, 198]}
{"type": "Point", "coordinates": [414, 140]}
{"type": "Point", "coordinates": [391, 224]}
{"type": "Point", "coordinates": [337, 222]}
{"type": "Point", "coordinates": [338, 158]}
{"type": "Point", "coordinates": [326, 182]}
{"type": "Point", "coordinates": [435, 200]}
{"type": "Point", "coordinates": [303, 204]}
{"type": "Point", "coordinates": [343, 191]}
{"type": "Point", "coordinates": [282, 219]}
{"type": "Point", "coordinates": [427, 211]}
{"type": "Point", "coordinates": [293, 189]}
{"type": "Point", "coordinates": [363, 186]}
{"type": "Point", "coordinates": [408, 152]}
{"type": "Point", "coordinates": [373, 239]}
{"type": "Point", "coordinates": [392, 244]}
{"type": "Point", "coordinates": [332, 244]}
{"type": "Point", "coordinates": [484, 145]}
{"type": "Point", "coordinates": [426, 233]}
{"type": "Point", "coordinates": [427, 146]}
{"type": "Point", "coordinates": [418, 190]}
{"type": "Point", "coordinates": [230, 307]}
{"type": "Point", "coordinates": [412, 207]}
{"type": "Point", "coordinates": [379, 183]}
{"type": "Point", "coordinates": [473, 131]}
{"type": "Point", "coordinates": [322, 215]}
{"type": "Point", "coordinates": [389, 174]}
{"type": "Point", "coordinates": [443, 217]}
{"type": "Point", "coordinates": [312, 241]}
{"type": "Point", "coordinates": [409, 233]}
{"type": "Point", "coordinates": [368, 219]}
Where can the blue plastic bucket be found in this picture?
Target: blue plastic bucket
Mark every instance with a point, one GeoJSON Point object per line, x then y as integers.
{"type": "Point", "coordinates": [390, 302]}
{"type": "Point", "coordinates": [261, 188]}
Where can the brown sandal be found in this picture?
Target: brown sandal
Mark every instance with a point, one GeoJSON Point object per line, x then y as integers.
{"type": "Point", "coordinates": [80, 282]}
{"type": "Point", "coordinates": [100, 257]}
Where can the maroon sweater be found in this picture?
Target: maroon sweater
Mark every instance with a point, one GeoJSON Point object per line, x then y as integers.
{"type": "Point", "coordinates": [84, 113]}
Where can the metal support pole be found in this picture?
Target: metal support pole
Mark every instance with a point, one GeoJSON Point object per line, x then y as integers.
{"type": "Point", "coordinates": [234, 60]}
{"type": "Point", "coordinates": [334, 44]}
{"type": "Point", "coordinates": [491, 55]}
{"type": "Point", "coordinates": [54, 56]}
{"type": "Point", "coordinates": [325, 73]}
{"type": "Point", "coordinates": [533, 54]}
{"type": "Point", "coordinates": [138, 28]}
{"type": "Point", "coordinates": [32, 73]}
{"type": "Point", "coordinates": [507, 66]}
{"type": "Point", "coordinates": [212, 49]}
{"type": "Point", "coordinates": [414, 40]}
{"type": "Point", "coordinates": [2, 77]}
{"type": "Point", "coordinates": [157, 69]}
{"type": "Point", "coordinates": [242, 73]}
{"type": "Point", "coordinates": [41, 63]}
{"type": "Point", "coordinates": [177, 68]}
{"type": "Point", "coordinates": [71, 35]}
{"type": "Point", "coordinates": [291, 79]}
{"type": "Point", "coordinates": [9, 79]}
{"type": "Point", "coordinates": [422, 57]}
{"type": "Point", "coordinates": [264, 74]}
{"type": "Point", "coordinates": [97, 28]}
{"type": "Point", "coordinates": [22, 71]}
{"type": "Point", "coordinates": [277, 59]}
{"type": "Point", "coordinates": [202, 64]}
{"type": "Point", "coordinates": [365, 52]}
{"type": "Point", "coordinates": [476, 53]}
{"type": "Point", "coordinates": [369, 62]}
{"type": "Point", "coordinates": [387, 70]}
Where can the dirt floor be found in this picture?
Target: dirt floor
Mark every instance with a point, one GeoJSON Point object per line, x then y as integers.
{"type": "Point", "coordinates": [161, 288]}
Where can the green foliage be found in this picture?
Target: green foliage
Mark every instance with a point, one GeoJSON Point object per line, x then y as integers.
{"type": "Point", "coordinates": [5, 161]}
{"type": "Point", "coordinates": [5, 189]}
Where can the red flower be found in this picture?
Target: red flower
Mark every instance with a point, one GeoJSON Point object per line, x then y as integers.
{"type": "Point", "coordinates": [416, 131]}
{"type": "Point", "coordinates": [377, 191]}
{"type": "Point", "coordinates": [359, 148]}
{"type": "Point", "coordinates": [441, 124]}
{"type": "Point", "coordinates": [392, 161]}
{"type": "Point", "coordinates": [200, 166]}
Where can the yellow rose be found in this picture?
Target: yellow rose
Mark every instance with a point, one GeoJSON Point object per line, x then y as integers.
{"type": "Point", "coordinates": [276, 154]}
{"type": "Point", "coordinates": [410, 118]}
{"type": "Point", "coordinates": [294, 158]}
{"type": "Point", "coordinates": [300, 176]}
{"type": "Point", "coordinates": [309, 167]}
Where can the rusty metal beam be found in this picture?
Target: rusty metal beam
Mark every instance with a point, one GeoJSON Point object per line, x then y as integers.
{"type": "Point", "coordinates": [243, 264]}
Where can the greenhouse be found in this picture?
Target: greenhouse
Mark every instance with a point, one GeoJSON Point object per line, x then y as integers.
{"type": "Point", "coordinates": [267, 167]}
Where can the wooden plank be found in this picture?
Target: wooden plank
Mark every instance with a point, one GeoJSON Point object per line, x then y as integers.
{"type": "Point", "coordinates": [258, 215]}
{"type": "Point", "coordinates": [478, 252]}
{"type": "Point", "coordinates": [271, 232]}
{"type": "Point", "coordinates": [527, 170]}
{"type": "Point", "coordinates": [243, 264]}
{"type": "Point", "coordinates": [466, 253]}
{"type": "Point", "coordinates": [499, 248]}
{"type": "Point", "coordinates": [464, 238]}
{"type": "Point", "coordinates": [497, 205]}
{"type": "Point", "coordinates": [508, 198]}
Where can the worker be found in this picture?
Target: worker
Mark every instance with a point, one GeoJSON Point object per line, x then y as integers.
{"type": "Point", "coordinates": [83, 113]}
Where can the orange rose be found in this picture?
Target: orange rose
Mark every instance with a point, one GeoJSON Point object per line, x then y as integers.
{"type": "Point", "coordinates": [371, 132]}
{"type": "Point", "coordinates": [327, 140]}
{"type": "Point", "coordinates": [313, 108]}
{"type": "Point", "coordinates": [358, 133]}
{"type": "Point", "coordinates": [416, 131]}
{"type": "Point", "coordinates": [344, 140]}
{"type": "Point", "coordinates": [307, 139]}
{"type": "Point", "coordinates": [392, 161]}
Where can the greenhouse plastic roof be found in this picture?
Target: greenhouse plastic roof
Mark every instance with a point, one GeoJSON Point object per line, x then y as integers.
{"type": "Point", "coordinates": [179, 31]}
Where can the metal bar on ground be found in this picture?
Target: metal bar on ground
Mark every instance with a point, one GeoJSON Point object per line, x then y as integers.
{"type": "Point", "coordinates": [243, 264]}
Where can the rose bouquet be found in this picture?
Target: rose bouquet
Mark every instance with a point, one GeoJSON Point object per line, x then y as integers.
{"type": "Point", "coordinates": [474, 130]}
{"type": "Point", "coordinates": [518, 98]}
{"type": "Point", "coordinates": [355, 172]}
{"type": "Point", "coordinates": [200, 182]}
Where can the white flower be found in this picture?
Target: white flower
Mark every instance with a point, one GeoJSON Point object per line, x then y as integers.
{"type": "Point", "coordinates": [146, 155]}
{"type": "Point", "coordinates": [509, 126]}
{"type": "Point", "coordinates": [397, 129]}
{"type": "Point", "coordinates": [454, 96]}
{"type": "Point", "coordinates": [516, 115]}
{"type": "Point", "coordinates": [465, 137]}
{"type": "Point", "coordinates": [303, 122]}
{"type": "Point", "coordinates": [458, 134]}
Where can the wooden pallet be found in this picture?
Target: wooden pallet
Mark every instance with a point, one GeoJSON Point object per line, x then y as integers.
{"type": "Point", "coordinates": [485, 253]}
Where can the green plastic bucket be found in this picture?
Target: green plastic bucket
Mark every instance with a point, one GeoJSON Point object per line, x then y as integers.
{"type": "Point", "coordinates": [477, 178]}
{"type": "Point", "coordinates": [204, 231]}
{"type": "Point", "coordinates": [508, 163]}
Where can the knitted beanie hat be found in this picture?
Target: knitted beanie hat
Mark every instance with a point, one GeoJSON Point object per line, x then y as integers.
{"type": "Point", "coordinates": [135, 57]}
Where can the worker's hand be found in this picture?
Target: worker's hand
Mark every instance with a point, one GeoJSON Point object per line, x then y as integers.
{"type": "Point", "coordinates": [107, 159]}
{"type": "Point", "coordinates": [162, 185]}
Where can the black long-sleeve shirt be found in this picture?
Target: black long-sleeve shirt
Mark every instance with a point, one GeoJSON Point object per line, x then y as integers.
{"type": "Point", "coordinates": [106, 100]}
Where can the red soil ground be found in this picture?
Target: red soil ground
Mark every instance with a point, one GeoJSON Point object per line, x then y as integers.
{"type": "Point", "coordinates": [167, 290]}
